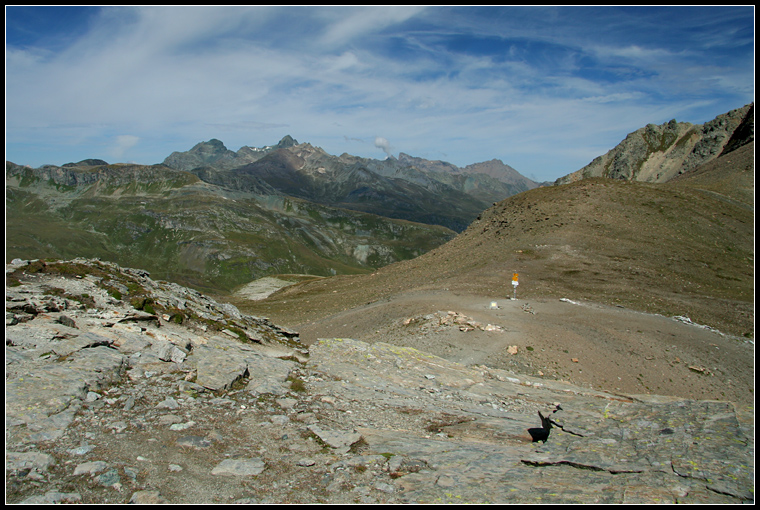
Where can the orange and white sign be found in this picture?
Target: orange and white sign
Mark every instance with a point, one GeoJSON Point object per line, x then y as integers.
{"type": "Point", "coordinates": [514, 279]}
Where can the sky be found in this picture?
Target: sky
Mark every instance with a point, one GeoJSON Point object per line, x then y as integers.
{"type": "Point", "coordinates": [543, 89]}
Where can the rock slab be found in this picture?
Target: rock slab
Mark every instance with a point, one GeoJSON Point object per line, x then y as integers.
{"type": "Point", "coordinates": [239, 467]}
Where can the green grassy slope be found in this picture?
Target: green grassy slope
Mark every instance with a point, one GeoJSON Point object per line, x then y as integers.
{"type": "Point", "coordinates": [181, 229]}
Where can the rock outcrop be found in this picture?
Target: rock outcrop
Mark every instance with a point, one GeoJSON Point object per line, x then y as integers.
{"type": "Point", "coordinates": [123, 389]}
{"type": "Point", "coordinates": [657, 153]}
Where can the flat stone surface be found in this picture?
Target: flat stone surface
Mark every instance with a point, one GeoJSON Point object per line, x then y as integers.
{"type": "Point", "coordinates": [193, 442]}
{"type": "Point", "coordinates": [602, 448]}
{"type": "Point", "coordinates": [53, 498]}
{"type": "Point", "coordinates": [147, 497]}
{"type": "Point", "coordinates": [219, 366]}
{"type": "Point", "coordinates": [90, 467]}
{"type": "Point", "coordinates": [239, 467]}
{"type": "Point", "coordinates": [336, 438]}
{"type": "Point", "coordinates": [28, 460]}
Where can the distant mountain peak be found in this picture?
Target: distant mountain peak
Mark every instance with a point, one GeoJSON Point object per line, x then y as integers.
{"type": "Point", "coordinates": [214, 145]}
{"type": "Point", "coordinates": [214, 153]}
{"type": "Point", "coordinates": [85, 162]}
{"type": "Point", "coordinates": [287, 141]}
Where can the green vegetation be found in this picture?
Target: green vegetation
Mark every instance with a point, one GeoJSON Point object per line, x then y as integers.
{"type": "Point", "coordinates": [83, 299]}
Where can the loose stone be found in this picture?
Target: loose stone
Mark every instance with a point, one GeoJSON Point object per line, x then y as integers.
{"type": "Point", "coordinates": [90, 467]}
{"type": "Point", "coordinates": [239, 467]}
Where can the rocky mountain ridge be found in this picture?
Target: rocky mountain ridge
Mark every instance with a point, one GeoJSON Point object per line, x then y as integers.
{"type": "Point", "coordinates": [658, 153]}
{"type": "Point", "coordinates": [124, 389]}
{"type": "Point", "coordinates": [414, 189]}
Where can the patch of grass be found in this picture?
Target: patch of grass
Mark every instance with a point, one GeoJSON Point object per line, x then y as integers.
{"type": "Point", "coordinates": [114, 293]}
{"type": "Point", "coordinates": [296, 384]}
{"type": "Point", "coordinates": [177, 317]}
{"type": "Point", "coordinates": [84, 299]}
{"type": "Point", "coordinates": [242, 336]}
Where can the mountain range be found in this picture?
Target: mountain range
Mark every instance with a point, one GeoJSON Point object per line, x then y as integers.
{"type": "Point", "coordinates": [409, 188]}
{"type": "Point", "coordinates": [682, 248]}
{"type": "Point", "coordinates": [213, 219]}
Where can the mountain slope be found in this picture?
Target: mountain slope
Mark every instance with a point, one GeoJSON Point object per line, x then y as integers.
{"type": "Point", "coordinates": [183, 229]}
{"type": "Point", "coordinates": [677, 248]}
{"type": "Point", "coordinates": [659, 153]}
{"type": "Point", "coordinates": [309, 173]}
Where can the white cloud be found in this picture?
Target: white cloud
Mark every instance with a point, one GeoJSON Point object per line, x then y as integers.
{"type": "Point", "coordinates": [633, 52]}
{"type": "Point", "coordinates": [382, 143]}
{"type": "Point", "coordinates": [122, 144]}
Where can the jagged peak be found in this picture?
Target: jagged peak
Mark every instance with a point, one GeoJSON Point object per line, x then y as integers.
{"type": "Point", "coordinates": [287, 141]}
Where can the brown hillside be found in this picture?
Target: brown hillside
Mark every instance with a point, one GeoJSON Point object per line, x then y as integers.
{"type": "Point", "coordinates": [731, 176]}
{"type": "Point", "coordinates": [682, 248]}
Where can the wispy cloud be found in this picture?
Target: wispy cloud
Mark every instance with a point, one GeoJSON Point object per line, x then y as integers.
{"type": "Point", "coordinates": [122, 144]}
{"type": "Point", "coordinates": [543, 89]}
{"type": "Point", "coordinates": [354, 23]}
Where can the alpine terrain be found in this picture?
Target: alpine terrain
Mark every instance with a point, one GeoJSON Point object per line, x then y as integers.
{"type": "Point", "coordinates": [586, 342]}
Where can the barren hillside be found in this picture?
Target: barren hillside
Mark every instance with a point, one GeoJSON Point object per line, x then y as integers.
{"type": "Point", "coordinates": [681, 249]}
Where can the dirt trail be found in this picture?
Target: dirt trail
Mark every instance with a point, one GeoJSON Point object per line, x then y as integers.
{"type": "Point", "coordinates": [609, 348]}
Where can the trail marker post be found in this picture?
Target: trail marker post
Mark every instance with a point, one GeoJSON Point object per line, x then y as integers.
{"type": "Point", "coordinates": [515, 283]}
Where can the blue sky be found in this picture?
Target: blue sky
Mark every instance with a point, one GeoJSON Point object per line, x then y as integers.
{"type": "Point", "coordinates": [544, 89]}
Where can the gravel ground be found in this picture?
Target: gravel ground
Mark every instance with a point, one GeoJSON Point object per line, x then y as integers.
{"type": "Point", "coordinates": [588, 344]}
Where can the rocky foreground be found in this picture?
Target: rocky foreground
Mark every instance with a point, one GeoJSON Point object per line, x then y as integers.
{"type": "Point", "coordinates": [123, 389]}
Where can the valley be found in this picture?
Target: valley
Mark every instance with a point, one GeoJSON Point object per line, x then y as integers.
{"type": "Point", "coordinates": [186, 230]}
